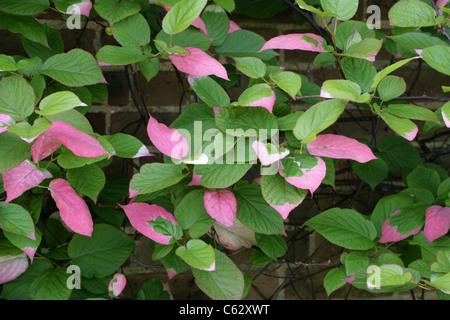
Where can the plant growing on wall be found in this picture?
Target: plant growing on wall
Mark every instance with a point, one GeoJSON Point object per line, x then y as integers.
{"type": "Point", "coordinates": [198, 206]}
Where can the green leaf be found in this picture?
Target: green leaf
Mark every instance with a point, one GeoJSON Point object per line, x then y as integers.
{"type": "Point", "coordinates": [251, 67]}
{"type": "Point", "coordinates": [153, 289]}
{"type": "Point", "coordinates": [274, 245]}
{"type": "Point", "coordinates": [287, 123]}
{"type": "Point", "coordinates": [226, 282]}
{"type": "Point", "coordinates": [51, 285]}
{"type": "Point", "coordinates": [29, 132]}
{"type": "Point", "coordinates": [333, 280]}
{"type": "Point", "coordinates": [409, 218]}
{"type": "Point", "coordinates": [254, 212]}
{"type": "Point", "coordinates": [360, 71]}
{"type": "Point", "coordinates": [438, 57]}
{"type": "Point", "coordinates": [217, 23]}
{"type": "Point", "coordinates": [443, 262]}
{"type": "Point", "coordinates": [391, 87]}
{"type": "Point", "coordinates": [372, 172]}
{"type": "Point", "coordinates": [429, 250]}
{"type": "Point", "coordinates": [181, 15]}
{"type": "Point", "coordinates": [125, 145]}
{"type": "Point", "coordinates": [343, 89]}
{"type": "Point", "coordinates": [102, 253]}
{"type": "Point", "coordinates": [18, 106]}
{"type": "Point", "coordinates": [347, 28]}
{"type": "Point", "coordinates": [24, 7]}
{"type": "Point", "coordinates": [13, 151]}
{"type": "Point", "coordinates": [149, 68]}
{"type": "Point", "coordinates": [14, 218]}
{"type": "Point", "coordinates": [228, 5]}
{"type": "Point", "coordinates": [27, 26]}
{"type": "Point", "coordinates": [133, 31]}
{"type": "Point", "coordinates": [8, 63]}
{"type": "Point", "coordinates": [191, 214]}
{"type": "Point", "coordinates": [166, 228]}
{"type": "Point", "coordinates": [287, 81]}
{"type": "Point", "coordinates": [367, 48]}
{"type": "Point", "coordinates": [355, 262]}
{"type": "Point", "coordinates": [244, 43]}
{"type": "Point", "coordinates": [191, 37]}
{"type": "Point", "coordinates": [210, 92]}
{"type": "Point", "coordinates": [115, 10]}
{"type": "Point", "coordinates": [344, 9]}
{"type": "Point", "coordinates": [404, 127]}
{"type": "Point", "coordinates": [391, 275]}
{"type": "Point", "coordinates": [246, 121]}
{"type": "Point", "coordinates": [386, 206]}
{"type": "Point", "coordinates": [278, 192]}
{"type": "Point", "coordinates": [398, 153]}
{"type": "Point", "coordinates": [345, 227]}
{"type": "Point", "coordinates": [317, 118]}
{"type": "Point", "coordinates": [156, 176]}
{"type": "Point", "coordinates": [89, 180]}
{"type": "Point", "coordinates": [441, 281]}
{"type": "Point", "coordinates": [416, 40]}
{"type": "Point", "coordinates": [424, 178]}
{"type": "Point", "coordinates": [59, 102]}
{"type": "Point", "coordinates": [198, 254]}
{"type": "Point", "coordinates": [411, 112]}
{"type": "Point", "coordinates": [75, 68]}
{"type": "Point", "coordinates": [221, 175]}
{"type": "Point", "coordinates": [412, 13]}
{"type": "Point", "coordinates": [324, 59]}
{"type": "Point", "coordinates": [115, 55]}
{"type": "Point", "coordinates": [384, 72]}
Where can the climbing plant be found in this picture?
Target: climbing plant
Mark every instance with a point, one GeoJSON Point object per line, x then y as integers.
{"type": "Point", "coordinates": [233, 169]}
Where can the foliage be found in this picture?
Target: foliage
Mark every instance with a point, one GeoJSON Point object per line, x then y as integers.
{"type": "Point", "coordinates": [60, 210]}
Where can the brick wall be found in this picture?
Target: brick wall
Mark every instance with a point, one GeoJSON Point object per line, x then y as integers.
{"type": "Point", "coordinates": [167, 94]}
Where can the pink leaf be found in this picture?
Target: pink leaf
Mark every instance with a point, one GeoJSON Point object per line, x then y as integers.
{"type": "Point", "coordinates": [264, 157]}
{"type": "Point", "coordinates": [195, 180]}
{"type": "Point", "coordinates": [198, 23]}
{"type": "Point", "coordinates": [311, 178]}
{"type": "Point", "coordinates": [5, 121]}
{"type": "Point", "coordinates": [441, 3]}
{"type": "Point", "coordinates": [446, 118]}
{"type": "Point", "coordinates": [410, 136]}
{"type": "Point", "coordinates": [198, 63]}
{"type": "Point", "coordinates": [22, 178]}
{"type": "Point", "coordinates": [286, 208]}
{"type": "Point", "coordinates": [167, 140]}
{"type": "Point", "coordinates": [79, 142]}
{"type": "Point", "coordinates": [437, 222]}
{"type": "Point", "coordinates": [266, 102]}
{"type": "Point", "coordinates": [30, 252]}
{"type": "Point", "coordinates": [140, 213]}
{"type": "Point", "coordinates": [390, 234]}
{"type": "Point", "coordinates": [43, 147]}
{"type": "Point", "coordinates": [221, 205]}
{"type": "Point", "coordinates": [72, 208]}
{"type": "Point", "coordinates": [349, 279]}
{"type": "Point", "coordinates": [12, 266]}
{"type": "Point", "coordinates": [117, 284]}
{"type": "Point", "coordinates": [340, 147]}
{"type": "Point", "coordinates": [233, 27]}
{"type": "Point", "coordinates": [295, 41]}
{"type": "Point", "coordinates": [143, 152]}
{"type": "Point", "coordinates": [84, 7]}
